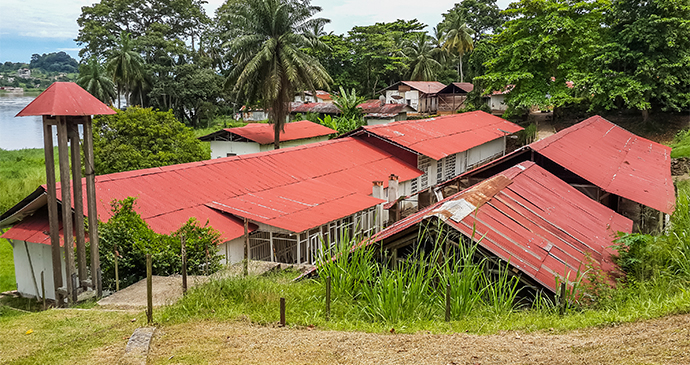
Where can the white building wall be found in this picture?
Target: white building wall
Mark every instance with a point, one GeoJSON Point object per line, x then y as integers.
{"type": "Point", "coordinates": [487, 151]}
{"type": "Point", "coordinates": [231, 251]}
{"type": "Point", "coordinates": [297, 142]}
{"type": "Point", "coordinates": [375, 121]}
{"type": "Point", "coordinates": [410, 98]}
{"type": "Point", "coordinates": [497, 102]}
{"type": "Point", "coordinates": [42, 261]}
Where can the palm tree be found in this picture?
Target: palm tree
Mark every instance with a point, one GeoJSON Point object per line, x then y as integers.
{"type": "Point", "coordinates": [348, 104]}
{"type": "Point", "coordinates": [422, 57]}
{"type": "Point", "coordinates": [125, 65]}
{"type": "Point", "coordinates": [267, 42]}
{"type": "Point", "coordinates": [458, 37]}
{"type": "Point", "coordinates": [93, 78]}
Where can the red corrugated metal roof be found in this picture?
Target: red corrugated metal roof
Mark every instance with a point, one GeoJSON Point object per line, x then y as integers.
{"type": "Point", "coordinates": [168, 196]}
{"type": "Point", "coordinates": [443, 136]}
{"type": "Point", "coordinates": [262, 133]}
{"type": "Point", "coordinates": [65, 98]}
{"type": "Point", "coordinates": [321, 108]}
{"type": "Point", "coordinates": [541, 225]}
{"type": "Point", "coordinates": [33, 229]}
{"type": "Point", "coordinates": [614, 159]}
{"type": "Point", "coordinates": [386, 110]}
{"type": "Point", "coordinates": [463, 86]}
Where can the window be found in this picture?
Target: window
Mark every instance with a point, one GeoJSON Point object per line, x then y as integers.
{"type": "Point", "coordinates": [231, 154]}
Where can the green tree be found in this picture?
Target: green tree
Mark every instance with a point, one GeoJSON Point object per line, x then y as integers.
{"type": "Point", "coordinates": [458, 38]}
{"type": "Point", "coordinates": [349, 104]}
{"type": "Point", "coordinates": [542, 48]}
{"type": "Point", "coordinates": [125, 65]}
{"type": "Point", "coordinates": [93, 78]}
{"type": "Point", "coordinates": [141, 138]}
{"type": "Point", "coordinates": [422, 57]}
{"type": "Point", "coordinates": [644, 61]}
{"type": "Point", "coordinates": [482, 16]}
{"type": "Point", "coordinates": [268, 43]}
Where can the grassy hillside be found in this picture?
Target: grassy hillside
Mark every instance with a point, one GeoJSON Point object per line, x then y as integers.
{"type": "Point", "coordinates": [21, 172]}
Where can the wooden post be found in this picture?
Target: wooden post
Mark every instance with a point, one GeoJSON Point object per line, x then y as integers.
{"type": "Point", "coordinates": [282, 312]}
{"type": "Point", "coordinates": [328, 298]}
{"type": "Point", "coordinates": [78, 203]}
{"type": "Point", "coordinates": [149, 290]}
{"type": "Point", "coordinates": [206, 267]}
{"type": "Point", "coordinates": [448, 302]}
{"type": "Point", "coordinates": [91, 205]}
{"type": "Point", "coordinates": [270, 240]}
{"type": "Point", "coordinates": [564, 302]}
{"type": "Point", "coordinates": [117, 276]}
{"type": "Point", "coordinates": [52, 209]}
{"type": "Point", "coordinates": [245, 263]}
{"type": "Point", "coordinates": [184, 265]}
{"type": "Point", "coordinates": [43, 290]}
{"type": "Point", "coordinates": [65, 187]}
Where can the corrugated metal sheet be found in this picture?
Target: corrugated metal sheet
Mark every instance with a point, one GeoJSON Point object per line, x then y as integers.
{"type": "Point", "coordinates": [538, 223]}
{"type": "Point", "coordinates": [614, 159]}
{"type": "Point", "coordinates": [465, 87]}
{"type": "Point", "coordinates": [262, 133]}
{"type": "Point", "coordinates": [65, 98]}
{"type": "Point", "coordinates": [443, 136]}
{"type": "Point", "coordinates": [320, 108]}
{"type": "Point", "coordinates": [386, 110]}
{"type": "Point", "coordinates": [168, 196]}
{"type": "Point", "coordinates": [33, 229]}
{"type": "Point", "coordinates": [426, 87]}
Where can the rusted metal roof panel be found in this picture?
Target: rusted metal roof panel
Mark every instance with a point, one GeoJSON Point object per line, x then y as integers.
{"type": "Point", "coordinates": [168, 196]}
{"type": "Point", "coordinates": [532, 219]}
{"type": "Point", "coordinates": [65, 98]}
{"type": "Point", "coordinates": [426, 87]}
{"type": "Point", "coordinates": [615, 160]}
{"type": "Point", "coordinates": [262, 133]}
{"type": "Point", "coordinates": [321, 108]}
{"type": "Point", "coordinates": [443, 136]}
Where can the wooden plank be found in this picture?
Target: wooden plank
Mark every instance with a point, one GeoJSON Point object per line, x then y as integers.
{"type": "Point", "coordinates": [245, 263]}
{"type": "Point", "coordinates": [63, 156]}
{"type": "Point", "coordinates": [78, 203]}
{"type": "Point", "coordinates": [52, 208]}
{"type": "Point", "coordinates": [91, 204]}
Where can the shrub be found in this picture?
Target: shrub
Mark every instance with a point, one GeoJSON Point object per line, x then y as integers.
{"type": "Point", "coordinates": [129, 236]}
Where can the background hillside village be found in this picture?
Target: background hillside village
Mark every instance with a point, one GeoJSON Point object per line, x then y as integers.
{"type": "Point", "coordinates": [526, 168]}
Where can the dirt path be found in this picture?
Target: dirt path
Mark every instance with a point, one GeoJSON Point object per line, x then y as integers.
{"type": "Point", "coordinates": [660, 341]}
{"type": "Point", "coordinates": [544, 126]}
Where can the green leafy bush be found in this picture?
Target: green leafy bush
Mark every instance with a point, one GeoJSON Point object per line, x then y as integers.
{"type": "Point", "coordinates": [129, 237]}
{"type": "Point", "coordinates": [139, 138]}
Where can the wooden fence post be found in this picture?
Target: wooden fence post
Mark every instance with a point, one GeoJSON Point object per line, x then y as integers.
{"type": "Point", "coordinates": [564, 302]}
{"type": "Point", "coordinates": [117, 275]}
{"type": "Point", "coordinates": [448, 302]}
{"type": "Point", "coordinates": [328, 298]}
{"type": "Point", "coordinates": [184, 265]}
{"type": "Point", "coordinates": [43, 291]}
{"type": "Point", "coordinates": [149, 289]}
{"type": "Point", "coordinates": [282, 312]}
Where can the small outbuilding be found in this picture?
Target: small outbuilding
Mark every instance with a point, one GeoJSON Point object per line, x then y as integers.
{"type": "Point", "coordinates": [258, 137]}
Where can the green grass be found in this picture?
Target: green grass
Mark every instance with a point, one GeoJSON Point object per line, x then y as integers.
{"type": "Point", "coordinates": [218, 123]}
{"type": "Point", "coordinates": [7, 281]}
{"type": "Point", "coordinates": [21, 172]}
{"type": "Point", "coordinates": [69, 336]}
{"type": "Point", "coordinates": [681, 144]}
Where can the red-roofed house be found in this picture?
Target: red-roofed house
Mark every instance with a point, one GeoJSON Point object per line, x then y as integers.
{"type": "Point", "coordinates": [308, 97]}
{"type": "Point", "coordinates": [452, 97]}
{"type": "Point", "coordinates": [258, 137]}
{"type": "Point", "coordinates": [604, 161]}
{"type": "Point", "coordinates": [419, 95]}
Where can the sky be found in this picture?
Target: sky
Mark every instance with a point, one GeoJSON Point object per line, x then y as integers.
{"type": "Point", "coordinates": [44, 26]}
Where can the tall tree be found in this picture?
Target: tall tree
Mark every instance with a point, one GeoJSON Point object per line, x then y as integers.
{"type": "Point", "coordinates": [482, 16]}
{"type": "Point", "coordinates": [458, 38]}
{"type": "Point", "coordinates": [644, 61]}
{"type": "Point", "coordinates": [422, 57]}
{"type": "Point", "coordinates": [93, 78]}
{"type": "Point", "coordinates": [267, 43]}
{"type": "Point", "coordinates": [125, 65]}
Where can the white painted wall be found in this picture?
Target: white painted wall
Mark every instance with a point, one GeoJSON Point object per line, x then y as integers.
{"type": "Point", "coordinates": [485, 152]}
{"type": "Point", "coordinates": [231, 251]}
{"type": "Point", "coordinates": [410, 98]}
{"type": "Point", "coordinates": [375, 121]}
{"type": "Point", "coordinates": [497, 102]}
{"type": "Point", "coordinates": [222, 148]}
{"type": "Point", "coordinates": [42, 260]}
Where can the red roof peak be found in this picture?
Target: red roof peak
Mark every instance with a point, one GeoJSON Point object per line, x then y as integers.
{"type": "Point", "coordinates": [65, 98]}
{"type": "Point", "coordinates": [262, 133]}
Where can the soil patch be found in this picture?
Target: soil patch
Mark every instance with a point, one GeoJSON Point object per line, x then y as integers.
{"type": "Point", "coordinates": [166, 290]}
{"type": "Point", "coordinates": [659, 341]}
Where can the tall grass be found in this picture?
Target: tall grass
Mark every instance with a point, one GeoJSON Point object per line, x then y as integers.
{"type": "Point", "coordinates": [21, 172]}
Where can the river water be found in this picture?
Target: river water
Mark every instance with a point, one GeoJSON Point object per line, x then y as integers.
{"type": "Point", "coordinates": [20, 132]}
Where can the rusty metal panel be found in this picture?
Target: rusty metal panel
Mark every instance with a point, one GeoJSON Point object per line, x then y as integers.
{"type": "Point", "coordinates": [533, 220]}
{"type": "Point", "coordinates": [615, 160]}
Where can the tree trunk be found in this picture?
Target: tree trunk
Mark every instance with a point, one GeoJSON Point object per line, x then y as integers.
{"type": "Point", "coordinates": [118, 96]}
{"type": "Point", "coordinates": [645, 115]}
{"type": "Point", "coordinates": [462, 76]}
{"type": "Point", "coordinates": [276, 136]}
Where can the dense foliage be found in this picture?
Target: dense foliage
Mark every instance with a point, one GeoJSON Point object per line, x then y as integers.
{"type": "Point", "coordinates": [139, 138]}
{"type": "Point", "coordinates": [54, 62]}
{"type": "Point", "coordinates": [129, 237]}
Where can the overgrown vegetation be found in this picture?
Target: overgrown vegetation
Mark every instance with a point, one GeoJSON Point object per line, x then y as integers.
{"type": "Point", "coordinates": [21, 172]}
{"type": "Point", "coordinates": [129, 237]}
{"type": "Point", "coordinates": [7, 280]}
{"type": "Point", "coordinates": [681, 144]}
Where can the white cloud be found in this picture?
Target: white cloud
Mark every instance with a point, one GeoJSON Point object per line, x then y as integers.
{"type": "Point", "coordinates": [41, 18]}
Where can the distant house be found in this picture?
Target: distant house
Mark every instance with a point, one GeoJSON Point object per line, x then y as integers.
{"type": "Point", "coordinates": [258, 137]}
{"type": "Point", "coordinates": [497, 100]}
{"type": "Point", "coordinates": [308, 97]}
{"type": "Point", "coordinates": [378, 112]}
{"type": "Point", "coordinates": [251, 115]}
{"type": "Point", "coordinates": [419, 95]}
{"type": "Point", "coordinates": [24, 73]}
{"type": "Point", "coordinates": [452, 97]}
{"type": "Point", "coordinates": [321, 109]}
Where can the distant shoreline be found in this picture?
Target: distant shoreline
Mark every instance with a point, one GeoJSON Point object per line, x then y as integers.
{"type": "Point", "coordinates": [18, 91]}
